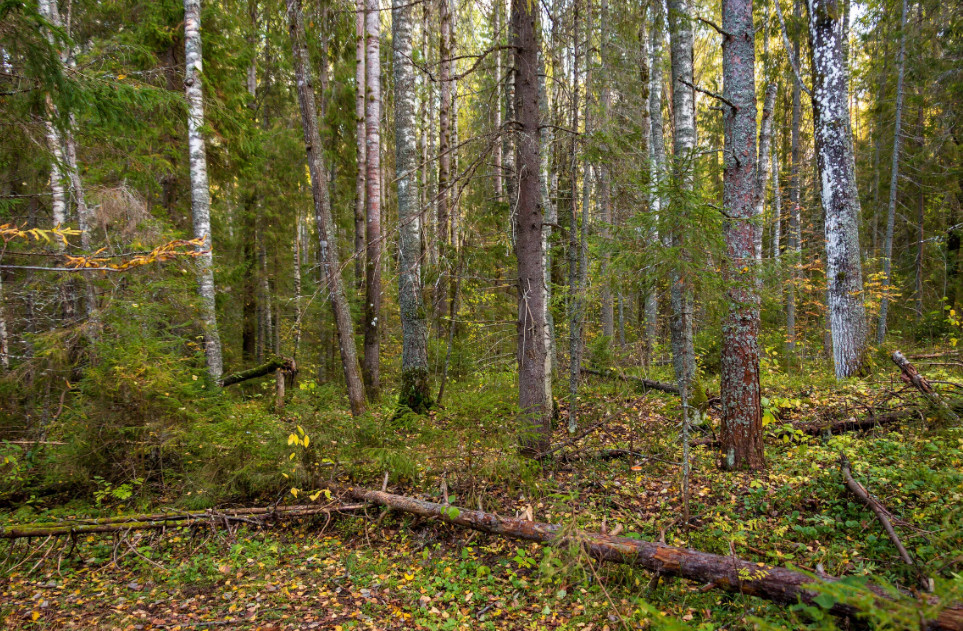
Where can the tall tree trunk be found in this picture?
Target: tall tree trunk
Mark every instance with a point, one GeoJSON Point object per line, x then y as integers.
{"type": "Point", "coordinates": [795, 211]}
{"type": "Point", "coordinates": [605, 197]}
{"type": "Point", "coordinates": [370, 368]}
{"type": "Point", "coordinates": [840, 200]}
{"type": "Point", "coordinates": [200, 192]}
{"type": "Point", "coordinates": [330, 261]}
{"type": "Point", "coordinates": [415, 394]}
{"type": "Point", "coordinates": [893, 180]}
{"type": "Point", "coordinates": [657, 165]}
{"type": "Point", "coordinates": [361, 150]}
{"type": "Point", "coordinates": [550, 213]}
{"type": "Point", "coordinates": [920, 207]}
{"type": "Point", "coordinates": [497, 107]}
{"type": "Point", "coordinates": [683, 141]}
{"type": "Point", "coordinates": [762, 165]}
{"type": "Point", "coordinates": [4, 340]}
{"type": "Point", "coordinates": [534, 386]}
{"type": "Point", "coordinates": [573, 297]}
{"type": "Point", "coordinates": [776, 217]}
{"type": "Point", "coordinates": [741, 408]}
{"type": "Point", "coordinates": [444, 162]}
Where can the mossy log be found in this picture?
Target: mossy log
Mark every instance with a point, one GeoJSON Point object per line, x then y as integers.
{"type": "Point", "coordinates": [283, 363]}
{"type": "Point", "coordinates": [728, 573]}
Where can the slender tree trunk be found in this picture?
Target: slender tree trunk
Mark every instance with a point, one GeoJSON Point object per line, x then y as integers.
{"type": "Point", "coordinates": [444, 161]}
{"type": "Point", "coordinates": [415, 394]}
{"type": "Point", "coordinates": [844, 275]}
{"type": "Point", "coordinates": [573, 297]}
{"type": "Point", "coordinates": [550, 213]}
{"type": "Point", "coordinates": [657, 165]}
{"type": "Point", "coordinates": [795, 211]}
{"type": "Point", "coordinates": [741, 409]}
{"type": "Point", "coordinates": [330, 261]}
{"type": "Point", "coordinates": [920, 207]}
{"type": "Point", "coordinates": [776, 217]}
{"type": "Point", "coordinates": [4, 340]}
{"type": "Point", "coordinates": [200, 193]}
{"type": "Point", "coordinates": [762, 165]}
{"type": "Point", "coordinates": [497, 108]}
{"type": "Point", "coordinates": [361, 149]}
{"type": "Point", "coordinates": [893, 180]}
{"type": "Point", "coordinates": [605, 203]}
{"type": "Point", "coordinates": [370, 368]}
{"type": "Point", "coordinates": [878, 140]}
{"type": "Point", "coordinates": [684, 141]}
{"type": "Point", "coordinates": [534, 386]}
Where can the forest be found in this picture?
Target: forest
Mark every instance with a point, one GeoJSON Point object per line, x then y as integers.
{"type": "Point", "coordinates": [509, 314]}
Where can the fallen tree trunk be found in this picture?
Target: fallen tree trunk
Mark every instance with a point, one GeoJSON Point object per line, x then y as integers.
{"type": "Point", "coordinates": [883, 516]}
{"type": "Point", "coordinates": [276, 363]}
{"type": "Point", "coordinates": [723, 572]}
{"type": "Point", "coordinates": [648, 384]}
{"type": "Point", "coordinates": [910, 375]}
{"type": "Point", "coordinates": [157, 521]}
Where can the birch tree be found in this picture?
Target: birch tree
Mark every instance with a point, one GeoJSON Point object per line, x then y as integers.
{"type": "Point", "coordinates": [741, 409]}
{"type": "Point", "coordinates": [795, 209]}
{"type": "Point", "coordinates": [372, 304]}
{"type": "Point", "coordinates": [657, 160]}
{"type": "Point", "coordinates": [330, 261]}
{"type": "Point", "coordinates": [415, 394]}
{"type": "Point", "coordinates": [444, 157]}
{"type": "Point", "coordinates": [534, 387]}
{"type": "Point", "coordinates": [361, 151]}
{"type": "Point", "coordinates": [840, 200]}
{"type": "Point", "coordinates": [200, 191]}
{"type": "Point", "coordinates": [762, 165]}
{"type": "Point", "coordinates": [893, 180]}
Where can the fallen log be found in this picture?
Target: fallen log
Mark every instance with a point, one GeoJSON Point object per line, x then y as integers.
{"type": "Point", "coordinates": [648, 384]}
{"type": "Point", "coordinates": [883, 516]}
{"type": "Point", "coordinates": [157, 521]}
{"type": "Point", "coordinates": [276, 363]}
{"type": "Point", "coordinates": [728, 573]}
{"type": "Point", "coordinates": [910, 375]}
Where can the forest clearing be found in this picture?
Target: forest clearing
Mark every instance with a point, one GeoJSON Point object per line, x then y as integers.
{"type": "Point", "coordinates": [434, 314]}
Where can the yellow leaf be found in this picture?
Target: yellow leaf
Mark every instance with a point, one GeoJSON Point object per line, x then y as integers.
{"type": "Point", "coordinates": [291, 457]}
{"type": "Point", "coordinates": [314, 496]}
{"type": "Point", "coordinates": [35, 615]}
{"type": "Point", "coordinates": [292, 439]}
{"type": "Point", "coordinates": [306, 441]}
{"type": "Point", "coordinates": [294, 492]}
{"type": "Point", "coordinates": [121, 77]}
{"type": "Point", "coordinates": [300, 430]}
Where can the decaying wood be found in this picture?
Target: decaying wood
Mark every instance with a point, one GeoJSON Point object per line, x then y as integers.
{"type": "Point", "coordinates": [912, 376]}
{"type": "Point", "coordinates": [276, 363]}
{"type": "Point", "coordinates": [728, 573]}
{"type": "Point", "coordinates": [648, 384]}
{"type": "Point", "coordinates": [883, 516]}
{"type": "Point", "coordinates": [156, 521]}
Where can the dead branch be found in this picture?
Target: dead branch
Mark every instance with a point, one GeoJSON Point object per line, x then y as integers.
{"type": "Point", "coordinates": [910, 375]}
{"type": "Point", "coordinates": [648, 384]}
{"type": "Point", "coordinates": [276, 363]}
{"type": "Point", "coordinates": [728, 573]}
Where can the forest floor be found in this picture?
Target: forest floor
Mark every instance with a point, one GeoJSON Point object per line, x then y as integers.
{"type": "Point", "coordinates": [379, 570]}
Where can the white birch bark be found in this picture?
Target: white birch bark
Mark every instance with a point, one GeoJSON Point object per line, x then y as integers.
{"type": "Point", "coordinates": [200, 192]}
{"type": "Point", "coordinates": [370, 367]}
{"type": "Point", "coordinates": [360, 151]}
{"type": "Point", "coordinates": [657, 162]}
{"type": "Point", "coordinates": [762, 166]}
{"type": "Point", "coordinates": [776, 212]}
{"type": "Point", "coordinates": [840, 201]}
{"type": "Point", "coordinates": [893, 181]}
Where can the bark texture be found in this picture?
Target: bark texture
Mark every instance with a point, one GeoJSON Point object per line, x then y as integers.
{"type": "Point", "coordinates": [443, 198]}
{"type": "Point", "coordinates": [795, 210]}
{"type": "Point", "coordinates": [370, 369]}
{"type": "Point", "coordinates": [741, 409]}
{"type": "Point", "coordinates": [762, 165]}
{"type": "Point", "coordinates": [361, 151]}
{"type": "Point", "coordinates": [330, 261]}
{"type": "Point", "coordinates": [414, 355]}
{"type": "Point", "coordinates": [657, 163]}
{"type": "Point", "coordinates": [840, 199]}
{"type": "Point", "coordinates": [200, 192]}
{"type": "Point", "coordinates": [534, 388]}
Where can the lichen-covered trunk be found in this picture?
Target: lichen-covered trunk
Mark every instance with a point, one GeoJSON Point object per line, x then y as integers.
{"type": "Point", "coordinates": [762, 165]}
{"type": "Point", "coordinates": [330, 261]}
{"type": "Point", "coordinates": [840, 201]}
{"type": "Point", "coordinates": [414, 354]}
{"type": "Point", "coordinates": [657, 165]}
{"type": "Point", "coordinates": [741, 409]}
{"type": "Point", "coordinates": [683, 145]}
{"type": "Point", "coordinates": [795, 210]}
{"type": "Point", "coordinates": [534, 393]}
{"type": "Point", "coordinates": [444, 162]}
{"type": "Point", "coordinates": [200, 192]}
{"type": "Point", "coordinates": [360, 150]}
{"type": "Point", "coordinates": [370, 368]}
{"type": "Point", "coordinates": [893, 181]}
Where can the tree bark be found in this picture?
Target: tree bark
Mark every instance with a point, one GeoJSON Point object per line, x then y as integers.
{"type": "Point", "coordinates": [776, 217]}
{"type": "Point", "coordinates": [744, 190]}
{"type": "Point", "coordinates": [657, 165]}
{"type": "Point", "coordinates": [497, 106]}
{"type": "Point", "coordinates": [361, 152]}
{"type": "Point", "coordinates": [574, 335]}
{"type": "Point", "coordinates": [795, 212]}
{"type": "Point", "coordinates": [200, 192]}
{"type": "Point", "coordinates": [762, 165]}
{"type": "Point", "coordinates": [444, 163]}
{"type": "Point", "coordinates": [415, 394]}
{"type": "Point", "coordinates": [370, 368]}
{"type": "Point", "coordinates": [840, 199]}
{"type": "Point", "coordinates": [330, 261]}
{"type": "Point", "coordinates": [893, 180]}
{"type": "Point", "coordinates": [724, 572]}
{"type": "Point", "coordinates": [276, 363]}
{"type": "Point", "coordinates": [534, 386]}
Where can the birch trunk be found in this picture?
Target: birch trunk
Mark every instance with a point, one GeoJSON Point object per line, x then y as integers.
{"type": "Point", "coordinates": [893, 180]}
{"type": "Point", "coordinates": [573, 297]}
{"type": "Point", "coordinates": [534, 386]}
{"type": "Point", "coordinates": [743, 187]}
{"type": "Point", "coordinates": [683, 141]}
{"type": "Point", "coordinates": [776, 216]}
{"type": "Point", "coordinates": [330, 261]}
{"type": "Point", "coordinates": [551, 216]}
{"type": "Point", "coordinates": [415, 394]}
{"type": "Point", "coordinates": [370, 368]}
{"type": "Point", "coordinates": [840, 201]}
{"type": "Point", "coordinates": [361, 150]}
{"type": "Point", "coordinates": [200, 191]}
{"type": "Point", "coordinates": [497, 109]}
{"type": "Point", "coordinates": [762, 165]}
{"type": "Point", "coordinates": [444, 161]}
{"type": "Point", "coordinates": [795, 211]}
{"type": "Point", "coordinates": [4, 340]}
{"type": "Point", "coordinates": [657, 164]}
